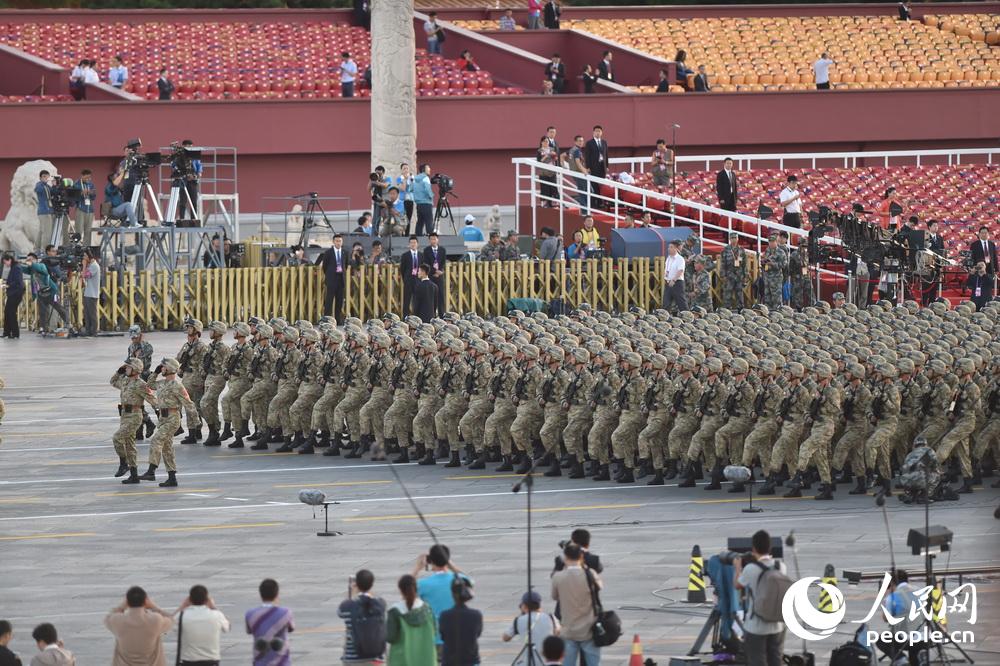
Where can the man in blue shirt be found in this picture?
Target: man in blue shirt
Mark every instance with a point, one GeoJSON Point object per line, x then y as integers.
{"type": "Point", "coordinates": [44, 210]}
{"type": "Point", "coordinates": [471, 232]}
{"type": "Point", "coordinates": [118, 75]}
{"type": "Point", "coordinates": [348, 72]}
{"type": "Point", "coordinates": [113, 195]}
{"type": "Point", "coordinates": [85, 209]}
{"type": "Point", "coordinates": [44, 290]}
{"type": "Point", "coordinates": [435, 589]}
{"type": "Point", "coordinates": [423, 198]}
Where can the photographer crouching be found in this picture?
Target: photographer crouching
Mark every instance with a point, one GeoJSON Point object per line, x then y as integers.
{"type": "Point", "coordinates": [762, 640]}
{"type": "Point", "coordinates": [45, 291]}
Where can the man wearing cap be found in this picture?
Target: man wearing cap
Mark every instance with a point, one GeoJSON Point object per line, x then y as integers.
{"type": "Point", "coordinates": [142, 350]}
{"type": "Point", "coordinates": [191, 360]}
{"type": "Point", "coordinates": [701, 285]}
{"type": "Point", "coordinates": [215, 364]}
{"type": "Point", "coordinates": [471, 233]}
{"type": "Point", "coordinates": [849, 448]}
{"type": "Point", "coordinates": [533, 623]}
{"type": "Point", "coordinates": [575, 400]}
{"type": "Point", "coordinates": [133, 395]}
{"type": "Point", "coordinates": [286, 376]}
{"type": "Point", "coordinates": [255, 401]}
{"type": "Point", "coordinates": [170, 396]}
{"type": "Point", "coordinates": [310, 371]}
{"type": "Point", "coordinates": [962, 417]}
{"type": "Point", "coordinates": [477, 384]}
{"type": "Point", "coordinates": [824, 410]}
{"type": "Point", "coordinates": [510, 250]}
{"type": "Point", "coordinates": [733, 273]}
{"type": "Point", "coordinates": [238, 378]}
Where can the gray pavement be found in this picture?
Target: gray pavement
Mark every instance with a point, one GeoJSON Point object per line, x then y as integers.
{"type": "Point", "coordinates": [72, 539]}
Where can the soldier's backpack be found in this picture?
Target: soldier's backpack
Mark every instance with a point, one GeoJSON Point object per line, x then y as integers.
{"type": "Point", "coordinates": [769, 592]}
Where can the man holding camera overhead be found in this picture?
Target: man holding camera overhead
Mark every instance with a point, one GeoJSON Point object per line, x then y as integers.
{"type": "Point", "coordinates": [762, 640]}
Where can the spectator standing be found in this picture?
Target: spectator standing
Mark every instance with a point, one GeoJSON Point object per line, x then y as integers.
{"type": "Point", "coordinates": [165, 86]}
{"type": "Point", "coordinates": [423, 198]}
{"type": "Point", "coordinates": [461, 628]}
{"type": "Point", "coordinates": [604, 68]}
{"type": "Point", "coordinates": [589, 79]}
{"type": "Point", "coordinates": [571, 588]}
{"type": "Point", "coordinates": [377, 257]}
{"type": "Point", "coordinates": [555, 72]}
{"type": "Point", "coordinates": [762, 640]}
{"type": "Point", "coordinates": [673, 290]}
{"type": "Point", "coordinates": [821, 70]}
{"type": "Point", "coordinates": [595, 156]}
{"type": "Point", "coordinates": [701, 80]}
{"type": "Point", "coordinates": [138, 626]}
{"type": "Point", "coordinates": [980, 286]}
{"type": "Point", "coordinates": [551, 248]}
{"type": "Point", "coordinates": [727, 186]}
{"type": "Point", "coordinates": [357, 259]}
{"type": "Point", "coordinates": [592, 239]}
{"type": "Point", "coordinates": [663, 86]}
{"type": "Point", "coordinates": [551, 13]}
{"type": "Point", "coordinates": [905, 11]}
{"type": "Point", "coordinates": [507, 22]}
{"type": "Point", "coordinates": [471, 232]}
{"type": "Point", "coordinates": [348, 72]}
{"type": "Point", "coordinates": [791, 201]}
{"type": "Point", "coordinates": [887, 214]}
{"type": "Point", "coordinates": [409, 266]}
{"type": "Point", "coordinates": [662, 165]}
{"type": "Point", "coordinates": [7, 658]}
{"type": "Point", "coordinates": [50, 649]}
{"type": "Point", "coordinates": [199, 627]}
{"type": "Point", "coordinates": [434, 34]}
{"type": "Point", "coordinates": [333, 263]}
{"type": "Point", "coordinates": [270, 624]}
{"type": "Point", "coordinates": [985, 250]}
{"type": "Point", "coordinates": [434, 256]}
{"type": "Point", "coordinates": [90, 75]}
{"type": "Point", "coordinates": [364, 621]}
{"type": "Point", "coordinates": [91, 277]}
{"type": "Point", "coordinates": [113, 195]}
{"type": "Point", "coordinates": [13, 285]}
{"type": "Point", "coordinates": [547, 154]}
{"type": "Point", "coordinates": [43, 209]}
{"type": "Point", "coordinates": [85, 209]}
{"type": "Point", "coordinates": [534, 14]}
{"type": "Point", "coordinates": [118, 74]}
{"type": "Point", "coordinates": [404, 181]}
{"type": "Point", "coordinates": [534, 623]}
{"type": "Point", "coordinates": [575, 163]}
{"type": "Point", "coordinates": [425, 295]}
{"type": "Point", "coordinates": [682, 69]}
{"type": "Point", "coordinates": [76, 81]}
{"type": "Point", "coordinates": [435, 588]}
{"type": "Point", "coordinates": [410, 628]}
{"type": "Point", "coordinates": [553, 650]}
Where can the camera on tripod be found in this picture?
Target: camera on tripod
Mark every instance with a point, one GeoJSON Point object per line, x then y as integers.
{"type": "Point", "coordinates": [445, 183]}
{"type": "Point", "coordinates": [63, 194]}
{"type": "Point", "coordinates": [182, 160]}
{"type": "Point", "coordinates": [821, 223]}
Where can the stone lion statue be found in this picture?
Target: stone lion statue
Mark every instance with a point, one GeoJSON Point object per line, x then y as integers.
{"type": "Point", "coordinates": [20, 228]}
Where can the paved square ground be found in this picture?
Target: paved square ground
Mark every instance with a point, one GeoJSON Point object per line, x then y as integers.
{"type": "Point", "coordinates": [72, 539]}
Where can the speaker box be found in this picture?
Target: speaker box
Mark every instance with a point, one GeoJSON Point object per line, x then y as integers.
{"type": "Point", "coordinates": [649, 242]}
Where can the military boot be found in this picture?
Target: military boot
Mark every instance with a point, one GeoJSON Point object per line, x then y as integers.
{"type": "Point", "coordinates": [286, 447]}
{"type": "Point", "coordinates": [603, 473]}
{"type": "Point", "coordinates": [886, 485]}
{"type": "Point", "coordinates": [265, 437]}
{"type": "Point", "coordinates": [645, 468]}
{"type": "Point", "coordinates": [308, 446]}
{"type": "Point", "coordinates": [122, 468]}
{"type": "Point", "coordinates": [150, 426]}
{"type": "Point", "coordinates": [966, 487]}
{"type": "Point", "coordinates": [213, 436]}
{"type": "Point", "coordinates": [470, 455]}
{"type": "Point", "coordinates": [454, 461]}
{"type": "Point", "coordinates": [657, 479]}
{"type": "Point", "coordinates": [555, 468]}
{"type": "Point", "coordinates": [689, 477]}
{"type": "Point", "coordinates": [227, 431]}
{"type": "Point", "coordinates": [323, 440]}
{"type": "Point", "coordinates": [977, 475]}
{"type": "Point", "coordinates": [505, 465]}
{"type": "Point", "coordinates": [576, 470]}
{"type": "Point", "coordinates": [179, 431]}
{"type": "Point", "coordinates": [492, 454]}
{"type": "Point", "coordinates": [391, 445]}
{"type": "Point", "coordinates": [825, 492]}
{"type": "Point", "coordinates": [479, 462]}
{"type": "Point", "coordinates": [716, 482]}
{"type": "Point", "coordinates": [769, 485]}
{"type": "Point", "coordinates": [277, 436]}
{"type": "Point", "coordinates": [133, 476]}
{"type": "Point", "coordinates": [171, 481]}
{"type": "Point", "coordinates": [334, 449]}
{"type": "Point", "coordinates": [238, 442]}
{"type": "Point", "coordinates": [356, 451]}
{"type": "Point", "coordinates": [366, 443]}
{"type": "Point", "coordinates": [860, 487]}
{"type": "Point", "coordinates": [525, 464]}
{"type": "Point", "coordinates": [795, 486]}
{"type": "Point", "coordinates": [257, 434]}
{"type": "Point", "coordinates": [140, 433]}
{"type": "Point", "coordinates": [402, 458]}
{"type": "Point", "coordinates": [429, 458]}
{"type": "Point", "coordinates": [843, 476]}
{"type": "Point", "coordinates": [671, 471]}
{"type": "Point", "coordinates": [443, 450]}
{"type": "Point", "coordinates": [565, 461]}
{"type": "Point", "coordinates": [299, 439]}
{"type": "Point", "coordinates": [150, 474]}
{"type": "Point", "coordinates": [419, 450]}
{"type": "Point", "coordinates": [627, 476]}
{"type": "Point", "coordinates": [193, 436]}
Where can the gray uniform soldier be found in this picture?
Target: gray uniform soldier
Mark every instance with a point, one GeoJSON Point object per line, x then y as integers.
{"type": "Point", "coordinates": [766, 405]}
{"type": "Point", "coordinates": [399, 417]}
{"type": "Point", "coordinates": [578, 412]}
{"type": "Point", "coordinates": [169, 397]}
{"type": "Point", "coordinates": [286, 375]}
{"type": "Point", "coordinates": [962, 416]}
{"type": "Point", "coordinates": [215, 364]}
{"type": "Point", "coordinates": [142, 350]}
{"type": "Point", "coordinates": [238, 379]}
{"type": "Point", "coordinates": [656, 406]}
{"type": "Point", "coordinates": [472, 425]}
{"type": "Point", "coordinates": [683, 408]}
{"type": "Point", "coordinates": [631, 420]}
{"type": "Point", "coordinates": [850, 446]}
{"type": "Point", "coordinates": [497, 429]}
{"type": "Point", "coordinates": [255, 401]}
{"type": "Point", "coordinates": [711, 413]}
{"type": "Point", "coordinates": [429, 401]}
{"type": "Point", "coordinates": [355, 383]}
{"type": "Point", "coordinates": [792, 418]}
{"type": "Point", "coordinates": [310, 372]}
{"type": "Point", "coordinates": [372, 413]}
{"type": "Point", "coordinates": [526, 425]}
{"type": "Point", "coordinates": [192, 373]}
{"type": "Point", "coordinates": [774, 262]}
{"type": "Point", "coordinates": [824, 412]}
{"type": "Point", "coordinates": [550, 393]}
{"type": "Point", "coordinates": [738, 410]}
{"type": "Point", "coordinates": [133, 395]}
{"type": "Point", "coordinates": [733, 273]}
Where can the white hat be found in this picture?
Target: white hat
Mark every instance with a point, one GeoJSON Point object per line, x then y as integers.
{"type": "Point", "coordinates": [470, 218]}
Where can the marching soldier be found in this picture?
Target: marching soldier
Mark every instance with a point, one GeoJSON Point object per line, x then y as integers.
{"type": "Point", "coordinates": [684, 403]}
{"type": "Point", "coordinates": [988, 438]}
{"type": "Point", "coordinates": [631, 420]}
{"type": "Point", "coordinates": [455, 404]}
{"type": "Point", "coordinates": [334, 360]}
{"type": "Point", "coordinates": [429, 400]}
{"type": "Point", "coordinates": [528, 422]}
{"type": "Point", "coordinates": [824, 411]}
{"type": "Point", "coordinates": [214, 365]}
{"type": "Point", "coordinates": [911, 396]}
{"type": "Point", "coordinates": [142, 350]}
{"type": "Point", "coordinates": [134, 394]}
{"type": "Point", "coordinates": [711, 413]}
{"type": "Point", "coordinates": [791, 417]}
{"type": "Point", "coordinates": [656, 406]}
{"type": "Point", "coordinates": [286, 376]}
{"type": "Point", "coordinates": [738, 410]}
{"type": "Point", "coordinates": [602, 401]}
{"type": "Point", "coordinates": [372, 413]}
{"type": "Point", "coordinates": [854, 408]}
{"type": "Point", "coordinates": [355, 384]}
{"type": "Point", "coordinates": [255, 401]}
{"type": "Point", "coordinates": [192, 373]}
{"type": "Point", "coordinates": [497, 428]}
{"type": "Point", "coordinates": [935, 401]}
{"type": "Point", "coordinates": [239, 380]}
{"type": "Point", "coordinates": [550, 393]}
{"type": "Point", "coordinates": [578, 412]}
{"type": "Point", "coordinates": [962, 417]}
{"type": "Point", "coordinates": [766, 408]}
{"type": "Point", "coordinates": [733, 274]}
{"type": "Point", "coordinates": [884, 416]}
{"type": "Point", "coordinates": [477, 382]}
{"type": "Point", "coordinates": [310, 371]}
{"type": "Point", "coordinates": [170, 396]}
{"type": "Point", "coordinates": [399, 417]}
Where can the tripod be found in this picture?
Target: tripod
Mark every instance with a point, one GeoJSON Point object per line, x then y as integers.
{"type": "Point", "coordinates": [309, 217]}
{"type": "Point", "coordinates": [177, 190]}
{"type": "Point", "coordinates": [443, 210]}
{"type": "Point", "coordinates": [60, 221]}
{"type": "Point", "coordinates": [139, 192]}
{"type": "Point", "coordinates": [534, 659]}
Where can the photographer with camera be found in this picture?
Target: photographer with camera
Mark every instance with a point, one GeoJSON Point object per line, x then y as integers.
{"type": "Point", "coordinates": [423, 198]}
{"type": "Point", "coordinates": [115, 196]}
{"type": "Point", "coordinates": [572, 588]}
{"type": "Point", "coordinates": [580, 537]}
{"type": "Point", "coordinates": [364, 619]}
{"type": "Point", "coordinates": [762, 639]}
{"type": "Point", "coordinates": [376, 189]}
{"type": "Point", "coordinates": [43, 209]}
{"type": "Point", "coordinates": [90, 276]}
{"type": "Point", "coordinates": [436, 588]}
{"type": "Point", "coordinates": [45, 292]}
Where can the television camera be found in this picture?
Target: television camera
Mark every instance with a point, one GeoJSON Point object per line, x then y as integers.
{"type": "Point", "coordinates": [63, 194]}
{"type": "Point", "coordinates": [182, 161]}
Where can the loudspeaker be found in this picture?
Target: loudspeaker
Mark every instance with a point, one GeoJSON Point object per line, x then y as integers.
{"type": "Point", "coordinates": [647, 242]}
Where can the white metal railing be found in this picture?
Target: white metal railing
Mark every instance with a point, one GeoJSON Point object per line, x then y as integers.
{"type": "Point", "coordinates": [846, 160]}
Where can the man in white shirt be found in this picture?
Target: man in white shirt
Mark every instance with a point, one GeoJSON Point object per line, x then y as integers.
{"type": "Point", "coordinates": [118, 75]}
{"type": "Point", "coordinates": [673, 291]}
{"type": "Point", "coordinates": [762, 640]}
{"type": "Point", "coordinates": [821, 68]}
{"type": "Point", "coordinates": [791, 200]}
{"type": "Point", "coordinates": [348, 72]}
{"type": "Point", "coordinates": [200, 624]}
{"type": "Point", "coordinates": [90, 75]}
{"type": "Point", "coordinates": [433, 32]}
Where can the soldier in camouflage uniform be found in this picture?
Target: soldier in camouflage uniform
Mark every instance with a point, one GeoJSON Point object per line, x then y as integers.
{"type": "Point", "coordinates": [192, 373]}
{"type": "Point", "coordinates": [239, 380]}
{"type": "Point", "coordinates": [766, 406]}
{"type": "Point", "coordinates": [738, 410]}
{"type": "Point", "coordinates": [656, 407]}
{"type": "Point", "coordinates": [142, 350]}
{"type": "Point", "coordinates": [631, 420]}
{"type": "Point", "coordinates": [701, 285]}
{"type": "Point", "coordinates": [988, 439]}
{"type": "Point", "coordinates": [510, 251]}
{"type": "Point", "coordinates": [472, 425]}
{"type": "Point", "coordinates": [429, 400]}
{"type": "Point", "coordinates": [355, 383]}
{"type": "Point", "coordinates": [733, 274]}
{"type": "Point", "coordinates": [526, 425]}
{"type": "Point", "coordinates": [491, 251]}
{"type": "Point", "coordinates": [962, 416]}
{"type": "Point", "coordinates": [602, 400]}
{"type": "Point", "coordinates": [134, 393]}
{"type": "Point", "coordinates": [798, 271]}
{"type": "Point", "coordinates": [169, 397]}
{"type": "Point", "coordinates": [686, 394]}
{"type": "Point", "coordinates": [215, 364]}
{"type": "Point", "coordinates": [824, 411]}
{"type": "Point", "coordinates": [255, 401]}
{"type": "Point", "coordinates": [334, 360]}
{"type": "Point", "coordinates": [372, 413]}
{"type": "Point", "coordinates": [884, 416]}
{"type": "Point", "coordinates": [711, 413]}
{"type": "Point", "coordinates": [578, 412]}
{"type": "Point", "coordinates": [398, 419]}
{"type": "Point", "coordinates": [911, 396]}
{"type": "Point", "coordinates": [935, 401]}
{"type": "Point", "coordinates": [310, 372]}
{"type": "Point", "coordinates": [792, 418]}
{"type": "Point", "coordinates": [497, 428]}
{"type": "Point", "coordinates": [550, 393]}
{"type": "Point", "coordinates": [452, 389]}
{"type": "Point", "coordinates": [850, 445]}
{"type": "Point", "coordinates": [774, 263]}
{"type": "Point", "coordinates": [286, 375]}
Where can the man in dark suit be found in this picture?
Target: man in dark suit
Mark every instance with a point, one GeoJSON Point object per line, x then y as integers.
{"type": "Point", "coordinates": [905, 12]}
{"type": "Point", "coordinates": [727, 186]}
{"type": "Point", "coordinates": [604, 68]}
{"type": "Point", "coordinates": [409, 262]}
{"type": "Point", "coordinates": [595, 157]}
{"type": "Point", "coordinates": [984, 250]}
{"type": "Point", "coordinates": [980, 286]}
{"type": "Point", "coordinates": [425, 295]}
{"type": "Point", "coordinates": [934, 243]}
{"type": "Point", "coordinates": [555, 72]}
{"type": "Point", "coordinates": [164, 85]}
{"type": "Point", "coordinates": [701, 80]}
{"type": "Point", "coordinates": [334, 265]}
{"type": "Point", "coordinates": [435, 258]}
{"type": "Point", "coordinates": [550, 14]}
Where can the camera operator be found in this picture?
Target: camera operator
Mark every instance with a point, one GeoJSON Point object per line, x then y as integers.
{"type": "Point", "coordinates": [85, 207]}
{"type": "Point", "coordinates": [44, 209]}
{"type": "Point", "coordinates": [45, 291]}
{"type": "Point", "coordinates": [581, 538]}
{"type": "Point", "coordinates": [423, 197]}
{"type": "Point", "coordinates": [762, 641]}
{"type": "Point", "coordinates": [115, 196]}
{"type": "Point", "coordinates": [90, 276]}
{"type": "Point", "coordinates": [191, 177]}
{"type": "Point", "coordinates": [376, 188]}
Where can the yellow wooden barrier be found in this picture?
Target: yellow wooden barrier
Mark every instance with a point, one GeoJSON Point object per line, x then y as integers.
{"type": "Point", "coordinates": [162, 300]}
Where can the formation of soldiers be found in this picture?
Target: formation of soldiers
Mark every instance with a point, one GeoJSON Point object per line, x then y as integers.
{"type": "Point", "coordinates": [834, 395]}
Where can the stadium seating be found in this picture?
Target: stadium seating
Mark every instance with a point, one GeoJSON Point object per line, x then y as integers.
{"type": "Point", "coordinates": [977, 27]}
{"type": "Point", "coordinates": [216, 61]}
{"type": "Point", "coordinates": [23, 99]}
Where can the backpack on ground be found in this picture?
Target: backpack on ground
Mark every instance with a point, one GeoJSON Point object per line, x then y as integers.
{"type": "Point", "coordinates": [769, 592]}
{"type": "Point", "coordinates": [368, 627]}
{"type": "Point", "coordinates": [850, 654]}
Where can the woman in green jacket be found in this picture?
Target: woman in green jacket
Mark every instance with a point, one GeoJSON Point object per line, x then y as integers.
{"type": "Point", "coordinates": [410, 629]}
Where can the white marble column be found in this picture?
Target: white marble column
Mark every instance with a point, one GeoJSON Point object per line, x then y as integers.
{"type": "Point", "coordinates": [394, 93]}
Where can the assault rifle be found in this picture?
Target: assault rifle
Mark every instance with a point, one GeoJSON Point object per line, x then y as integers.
{"type": "Point", "coordinates": [303, 369]}
{"type": "Point", "coordinates": [470, 381]}
{"type": "Point", "coordinates": [622, 396]}
{"type": "Point", "coordinates": [956, 407]}
{"type": "Point", "coordinates": [420, 381]}
{"type": "Point", "coordinates": [349, 371]}
{"type": "Point", "coordinates": [649, 397]}
{"type": "Point", "coordinates": [572, 390]}
{"type": "Point", "coordinates": [279, 366]}
{"type": "Point", "coordinates": [548, 388]}
{"type": "Point", "coordinates": [206, 363]}
{"type": "Point", "coordinates": [255, 363]}
{"type": "Point", "coordinates": [446, 378]}
{"type": "Point", "coordinates": [878, 405]}
{"type": "Point", "coordinates": [993, 402]}
{"type": "Point", "coordinates": [759, 401]}
{"type": "Point", "coordinates": [677, 405]}
{"type": "Point", "coordinates": [706, 399]}
{"type": "Point", "coordinates": [519, 386]}
{"type": "Point", "coordinates": [814, 406]}
{"type": "Point", "coordinates": [373, 371]}
{"type": "Point", "coordinates": [184, 358]}
{"type": "Point", "coordinates": [927, 401]}
{"type": "Point", "coordinates": [730, 406]}
{"type": "Point", "coordinates": [496, 383]}
{"type": "Point", "coordinates": [233, 361]}
{"type": "Point", "coordinates": [397, 375]}
{"type": "Point", "coordinates": [848, 405]}
{"type": "Point", "coordinates": [786, 403]}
